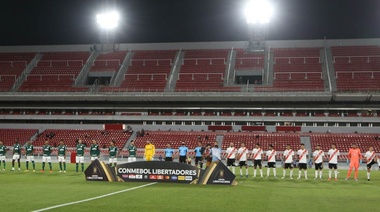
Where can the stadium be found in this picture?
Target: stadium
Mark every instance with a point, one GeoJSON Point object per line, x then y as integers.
{"type": "Point", "coordinates": [259, 87]}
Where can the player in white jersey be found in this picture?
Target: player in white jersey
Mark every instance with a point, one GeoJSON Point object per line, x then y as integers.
{"type": "Point", "coordinates": [371, 157]}
{"type": "Point", "coordinates": [333, 161]}
{"type": "Point", "coordinates": [288, 161]}
{"type": "Point", "coordinates": [318, 155]}
{"type": "Point", "coordinates": [257, 153]}
{"type": "Point", "coordinates": [242, 158]}
{"type": "Point", "coordinates": [231, 155]}
{"type": "Point", "coordinates": [302, 160]}
{"type": "Point", "coordinates": [271, 155]}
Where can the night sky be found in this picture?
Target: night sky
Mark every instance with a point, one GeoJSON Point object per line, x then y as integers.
{"type": "Point", "coordinates": [48, 22]}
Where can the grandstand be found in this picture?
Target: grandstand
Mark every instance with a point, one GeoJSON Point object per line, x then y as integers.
{"type": "Point", "coordinates": [203, 71]}
{"type": "Point", "coordinates": [309, 67]}
{"type": "Point", "coordinates": [70, 137]}
{"type": "Point", "coordinates": [297, 69]}
{"type": "Point", "coordinates": [307, 92]}
{"type": "Point", "coordinates": [357, 67]}
{"type": "Point", "coordinates": [109, 61]}
{"type": "Point", "coordinates": [9, 136]}
{"type": "Point", "coordinates": [56, 72]}
{"type": "Point", "coordinates": [12, 66]}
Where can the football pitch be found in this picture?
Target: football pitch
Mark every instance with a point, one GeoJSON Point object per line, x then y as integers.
{"type": "Point", "coordinates": [22, 191]}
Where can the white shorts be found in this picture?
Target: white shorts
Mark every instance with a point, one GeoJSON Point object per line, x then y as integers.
{"type": "Point", "coordinates": [113, 160]}
{"type": "Point", "coordinates": [29, 158]}
{"type": "Point", "coordinates": [46, 159]}
{"type": "Point", "coordinates": [16, 157]}
{"type": "Point", "coordinates": [2, 157]}
{"type": "Point", "coordinates": [61, 159]}
{"type": "Point", "coordinates": [131, 159]}
{"type": "Point", "coordinates": [79, 159]}
{"type": "Point", "coordinates": [94, 158]}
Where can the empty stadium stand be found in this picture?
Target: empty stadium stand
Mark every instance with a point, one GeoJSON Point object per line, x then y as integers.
{"type": "Point", "coordinates": [11, 67]}
{"type": "Point", "coordinates": [278, 140]}
{"type": "Point", "coordinates": [357, 68]}
{"type": "Point", "coordinates": [296, 69]}
{"type": "Point", "coordinates": [148, 72]}
{"type": "Point", "coordinates": [248, 61]}
{"type": "Point", "coordinates": [109, 61]}
{"type": "Point", "coordinates": [175, 138]}
{"type": "Point", "coordinates": [344, 141]}
{"type": "Point", "coordinates": [9, 136]}
{"type": "Point", "coordinates": [56, 72]}
{"type": "Point", "coordinates": [203, 71]}
{"type": "Point", "coordinates": [71, 136]}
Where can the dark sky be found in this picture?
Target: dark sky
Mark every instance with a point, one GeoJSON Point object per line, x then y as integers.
{"type": "Point", "coordinates": [46, 22]}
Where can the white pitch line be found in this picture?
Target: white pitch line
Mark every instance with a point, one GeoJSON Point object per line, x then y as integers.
{"type": "Point", "coordinates": [94, 198]}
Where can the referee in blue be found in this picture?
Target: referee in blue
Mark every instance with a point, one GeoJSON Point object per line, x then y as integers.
{"type": "Point", "coordinates": [183, 153]}
{"type": "Point", "coordinates": [169, 153]}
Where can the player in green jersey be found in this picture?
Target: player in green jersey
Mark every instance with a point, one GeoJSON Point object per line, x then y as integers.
{"type": "Point", "coordinates": [132, 149]}
{"type": "Point", "coordinates": [94, 150]}
{"type": "Point", "coordinates": [3, 150]}
{"type": "Point", "coordinates": [113, 153]}
{"type": "Point", "coordinates": [46, 155]}
{"type": "Point", "coordinates": [29, 155]}
{"type": "Point", "coordinates": [16, 155]}
{"type": "Point", "coordinates": [80, 155]}
{"type": "Point", "coordinates": [62, 156]}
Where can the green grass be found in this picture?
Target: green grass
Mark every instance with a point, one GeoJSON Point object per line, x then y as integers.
{"type": "Point", "coordinates": [30, 191]}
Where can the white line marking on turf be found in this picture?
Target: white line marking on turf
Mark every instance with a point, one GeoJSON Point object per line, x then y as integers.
{"type": "Point", "coordinates": [94, 198]}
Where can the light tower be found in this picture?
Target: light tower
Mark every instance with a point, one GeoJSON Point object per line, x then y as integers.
{"type": "Point", "coordinates": [258, 14]}
{"type": "Point", "coordinates": [108, 23]}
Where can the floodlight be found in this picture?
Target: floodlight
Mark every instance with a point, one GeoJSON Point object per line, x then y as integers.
{"type": "Point", "coordinates": [108, 21]}
{"type": "Point", "coordinates": [258, 12]}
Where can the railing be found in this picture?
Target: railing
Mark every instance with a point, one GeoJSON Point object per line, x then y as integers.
{"type": "Point", "coordinates": [249, 58]}
{"type": "Point", "coordinates": [94, 86]}
{"type": "Point", "coordinates": [85, 69]}
{"type": "Point", "coordinates": [229, 65]}
{"type": "Point", "coordinates": [283, 90]}
{"type": "Point", "coordinates": [289, 59]}
{"type": "Point", "coordinates": [357, 72]}
{"type": "Point", "coordinates": [50, 62]}
{"type": "Point", "coordinates": [107, 61]}
{"type": "Point", "coordinates": [327, 67]}
{"type": "Point", "coordinates": [14, 76]}
{"type": "Point", "coordinates": [173, 70]}
{"type": "Point", "coordinates": [349, 57]}
{"type": "Point", "coordinates": [199, 59]}
{"type": "Point", "coordinates": [51, 89]}
{"type": "Point", "coordinates": [47, 75]}
{"type": "Point", "coordinates": [151, 75]}
{"type": "Point", "coordinates": [297, 73]}
{"type": "Point", "coordinates": [204, 74]}
{"type": "Point", "coordinates": [26, 71]}
{"type": "Point", "coordinates": [157, 61]}
{"type": "Point", "coordinates": [162, 90]}
{"type": "Point", "coordinates": [25, 63]}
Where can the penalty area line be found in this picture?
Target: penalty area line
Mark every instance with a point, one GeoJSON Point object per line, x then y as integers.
{"type": "Point", "coordinates": [94, 198]}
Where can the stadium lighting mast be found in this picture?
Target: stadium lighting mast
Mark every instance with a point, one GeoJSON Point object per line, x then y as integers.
{"type": "Point", "coordinates": [258, 14]}
{"type": "Point", "coordinates": [108, 23]}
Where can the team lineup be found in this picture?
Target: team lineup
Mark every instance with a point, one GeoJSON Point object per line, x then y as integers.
{"type": "Point", "coordinates": [239, 157]}
{"type": "Point", "coordinates": [234, 157]}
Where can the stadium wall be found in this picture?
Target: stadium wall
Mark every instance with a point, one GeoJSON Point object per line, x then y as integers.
{"type": "Point", "coordinates": [195, 45]}
{"type": "Point", "coordinates": [235, 128]}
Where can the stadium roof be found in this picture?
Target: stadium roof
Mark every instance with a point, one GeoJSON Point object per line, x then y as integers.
{"type": "Point", "coordinates": [47, 22]}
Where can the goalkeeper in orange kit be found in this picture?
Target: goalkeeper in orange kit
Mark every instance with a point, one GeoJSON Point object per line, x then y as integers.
{"type": "Point", "coordinates": [149, 151]}
{"type": "Point", "coordinates": [355, 156]}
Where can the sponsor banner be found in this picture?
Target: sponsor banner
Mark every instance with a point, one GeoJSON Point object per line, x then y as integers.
{"type": "Point", "coordinates": [157, 171]}
{"type": "Point", "coordinates": [99, 171]}
{"type": "Point", "coordinates": [217, 173]}
{"type": "Point", "coordinates": [160, 171]}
